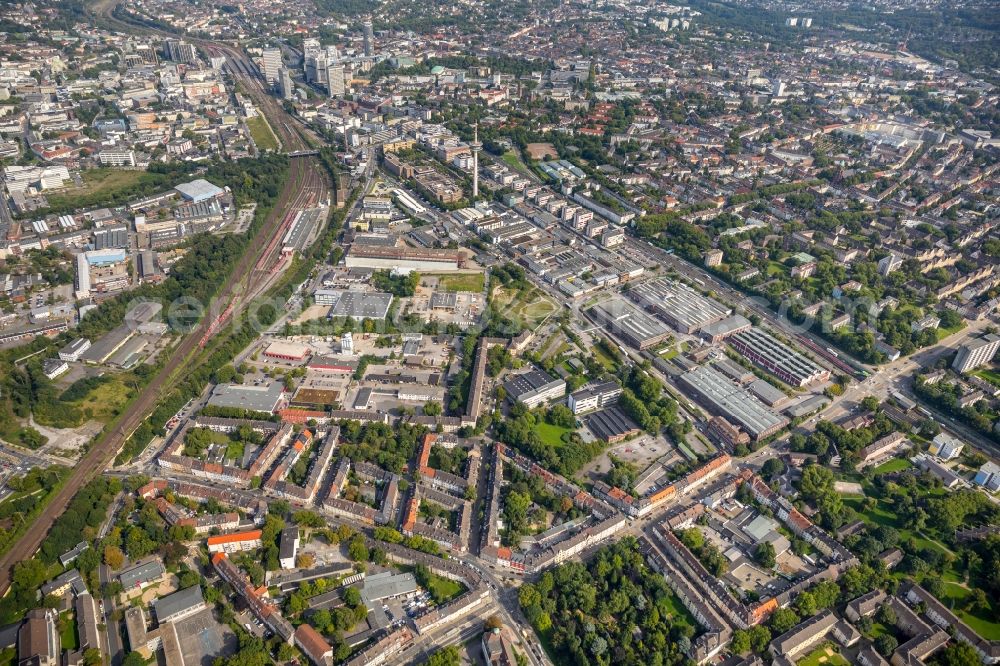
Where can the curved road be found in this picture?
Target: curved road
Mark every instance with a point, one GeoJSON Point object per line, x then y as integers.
{"type": "Point", "coordinates": [102, 453]}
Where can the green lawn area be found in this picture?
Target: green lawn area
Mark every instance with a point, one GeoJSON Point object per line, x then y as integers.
{"type": "Point", "coordinates": [444, 589]}
{"type": "Point", "coordinates": [943, 332]}
{"type": "Point", "coordinates": [103, 186]}
{"type": "Point", "coordinates": [97, 181]}
{"type": "Point", "coordinates": [985, 624]}
{"type": "Point", "coordinates": [513, 160]}
{"type": "Point", "coordinates": [604, 359]}
{"type": "Point", "coordinates": [68, 634]}
{"type": "Point", "coordinates": [461, 282]}
{"type": "Point", "coordinates": [992, 376]}
{"type": "Point", "coordinates": [235, 450]}
{"type": "Point", "coordinates": [776, 268]}
{"type": "Point", "coordinates": [104, 402]}
{"type": "Point", "coordinates": [894, 465]}
{"type": "Point", "coordinates": [551, 434]}
{"type": "Point", "coordinates": [680, 614]}
{"type": "Point", "coordinates": [826, 655]}
{"type": "Point", "coordinates": [261, 133]}
{"type": "Point", "coordinates": [528, 306]}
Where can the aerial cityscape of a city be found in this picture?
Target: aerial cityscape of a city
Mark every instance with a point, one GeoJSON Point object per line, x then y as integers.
{"type": "Point", "coordinates": [499, 333]}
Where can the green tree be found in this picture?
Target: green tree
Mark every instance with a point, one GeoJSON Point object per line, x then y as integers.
{"type": "Point", "coordinates": [446, 656]}
{"type": "Point", "coordinates": [740, 643]}
{"type": "Point", "coordinates": [886, 644]}
{"type": "Point", "coordinates": [357, 551]}
{"type": "Point", "coordinates": [958, 653]}
{"type": "Point", "coordinates": [352, 597]}
{"type": "Point", "coordinates": [782, 620]}
{"type": "Point", "coordinates": [772, 467]}
{"type": "Point", "coordinates": [764, 554]}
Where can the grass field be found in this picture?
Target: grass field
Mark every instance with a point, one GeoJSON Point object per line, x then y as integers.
{"type": "Point", "coordinates": [68, 634]}
{"type": "Point", "coordinates": [943, 333]}
{"type": "Point", "coordinates": [604, 359]}
{"type": "Point", "coordinates": [444, 589]}
{"type": "Point", "coordinates": [992, 376]}
{"type": "Point", "coordinates": [106, 401]}
{"type": "Point", "coordinates": [511, 159]}
{"type": "Point", "coordinates": [986, 624]}
{"type": "Point", "coordinates": [776, 268]}
{"type": "Point", "coordinates": [894, 465]}
{"type": "Point", "coordinates": [529, 306]}
{"type": "Point", "coordinates": [99, 184]}
{"type": "Point", "coordinates": [825, 655]}
{"type": "Point", "coordinates": [473, 282]}
{"type": "Point", "coordinates": [680, 614]}
{"type": "Point", "coordinates": [262, 134]}
{"type": "Point", "coordinates": [551, 434]}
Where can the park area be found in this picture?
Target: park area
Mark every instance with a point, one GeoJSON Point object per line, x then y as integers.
{"type": "Point", "coordinates": [551, 434]}
{"type": "Point", "coordinates": [956, 591]}
{"type": "Point", "coordinates": [527, 306]}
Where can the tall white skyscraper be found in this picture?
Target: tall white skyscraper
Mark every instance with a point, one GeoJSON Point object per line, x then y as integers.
{"type": "Point", "coordinates": [271, 61]}
{"type": "Point", "coordinates": [285, 84]}
{"type": "Point", "coordinates": [337, 77]}
{"type": "Point", "coordinates": [369, 38]}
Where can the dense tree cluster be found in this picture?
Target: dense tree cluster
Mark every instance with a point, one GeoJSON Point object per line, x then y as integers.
{"type": "Point", "coordinates": [590, 612]}
{"type": "Point", "coordinates": [644, 399]}
{"type": "Point", "coordinates": [526, 502]}
{"type": "Point", "coordinates": [378, 443]}
{"type": "Point", "coordinates": [401, 286]}
{"type": "Point", "coordinates": [944, 395]}
{"type": "Point", "coordinates": [520, 432]}
{"type": "Point", "coordinates": [830, 439]}
{"type": "Point", "coordinates": [707, 553]}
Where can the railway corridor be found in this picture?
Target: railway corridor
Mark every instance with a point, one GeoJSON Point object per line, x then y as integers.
{"type": "Point", "coordinates": [307, 183]}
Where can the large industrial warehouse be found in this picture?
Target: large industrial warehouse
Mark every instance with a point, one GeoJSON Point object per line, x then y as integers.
{"type": "Point", "coordinates": [629, 323]}
{"type": "Point", "coordinates": [680, 306]}
{"type": "Point", "coordinates": [778, 358]}
{"type": "Point", "coordinates": [402, 258]}
{"type": "Point", "coordinates": [722, 397]}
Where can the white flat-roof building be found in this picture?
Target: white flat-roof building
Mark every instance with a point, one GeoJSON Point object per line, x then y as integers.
{"type": "Point", "coordinates": [74, 350]}
{"type": "Point", "coordinates": [594, 396]}
{"type": "Point", "coordinates": [945, 446]}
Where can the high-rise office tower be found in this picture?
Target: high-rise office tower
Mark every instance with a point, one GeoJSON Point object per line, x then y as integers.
{"type": "Point", "coordinates": [976, 353]}
{"type": "Point", "coordinates": [310, 50]}
{"type": "Point", "coordinates": [369, 38]}
{"type": "Point", "coordinates": [321, 70]}
{"type": "Point", "coordinates": [337, 77]}
{"type": "Point", "coordinates": [271, 62]}
{"type": "Point", "coordinates": [285, 84]}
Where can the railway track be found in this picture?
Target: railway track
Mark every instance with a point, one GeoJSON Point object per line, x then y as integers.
{"type": "Point", "coordinates": [237, 292]}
